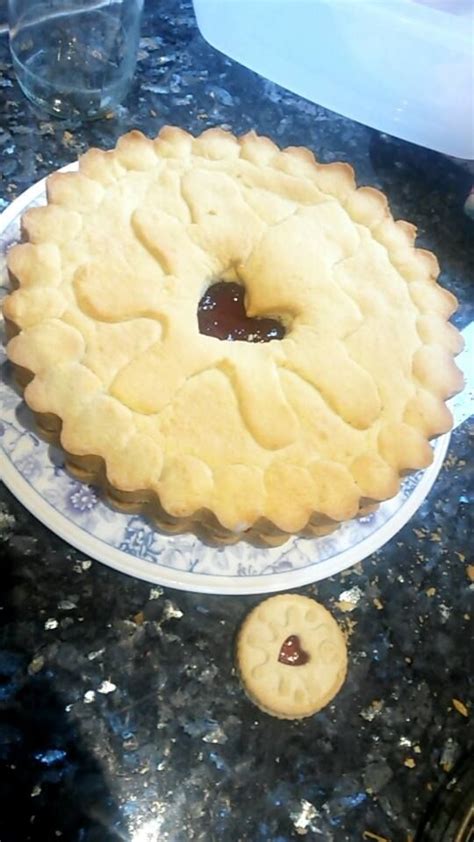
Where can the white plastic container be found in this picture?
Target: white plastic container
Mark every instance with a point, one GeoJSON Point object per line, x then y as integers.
{"type": "Point", "coordinates": [405, 67]}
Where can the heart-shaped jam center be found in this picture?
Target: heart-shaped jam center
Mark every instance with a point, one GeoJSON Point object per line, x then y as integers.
{"type": "Point", "coordinates": [291, 652]}
{"type": "Point", "coordinates": [221, 313]}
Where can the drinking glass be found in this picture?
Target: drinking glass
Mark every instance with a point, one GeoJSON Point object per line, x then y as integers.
{"type": "Point", "coordinates": [74, 58]}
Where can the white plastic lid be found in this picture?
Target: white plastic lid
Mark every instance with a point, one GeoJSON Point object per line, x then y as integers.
{"type": "Point", "coordinates": [401, 66]}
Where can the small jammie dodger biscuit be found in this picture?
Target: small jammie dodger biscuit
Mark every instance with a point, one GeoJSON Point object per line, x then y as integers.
{"type": "Point", "coordinates": [291, 656]}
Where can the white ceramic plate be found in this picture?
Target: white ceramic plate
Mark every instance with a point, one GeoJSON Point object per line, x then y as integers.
{"type": "Point", "coordinates": [34, 473]}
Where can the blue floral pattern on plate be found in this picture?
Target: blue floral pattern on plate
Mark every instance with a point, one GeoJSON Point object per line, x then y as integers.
{"type": "Point", "coordinates": [34, 472]}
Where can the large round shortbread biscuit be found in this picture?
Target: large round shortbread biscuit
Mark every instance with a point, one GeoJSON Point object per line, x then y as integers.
{"type": "Point", "coordinates": [291, 656]}
{"type": "Point", "coordinates": [292, 435]}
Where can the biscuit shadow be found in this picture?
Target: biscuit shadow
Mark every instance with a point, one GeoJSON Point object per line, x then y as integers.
{"type": "Point", "coordinates": [51, 785]}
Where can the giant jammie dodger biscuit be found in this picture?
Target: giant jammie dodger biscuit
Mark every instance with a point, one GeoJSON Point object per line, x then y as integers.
{"type": "Point", "coordinates": [239, 438]}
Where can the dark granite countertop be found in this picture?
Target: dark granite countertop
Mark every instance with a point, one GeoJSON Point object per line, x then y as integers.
{"type": "Point", "coordinates": [121, 714]}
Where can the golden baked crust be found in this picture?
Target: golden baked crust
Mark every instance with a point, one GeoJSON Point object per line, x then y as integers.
{"type": "Point", "coordinates": [277, 437]}
{"type": "Point", "coordinates": [280, 686]}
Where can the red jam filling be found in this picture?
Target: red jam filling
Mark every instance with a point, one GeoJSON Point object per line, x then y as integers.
{"type": "Point", "coordinates": [291, 652]}
{"type": "Point", "coordinates": [221, 313]}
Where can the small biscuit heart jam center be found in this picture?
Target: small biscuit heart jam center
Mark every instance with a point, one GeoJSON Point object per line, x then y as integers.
{"type": "Point", "coordinates": [291, 652]}
{"type": "Point", "coordinates": [221, 313]}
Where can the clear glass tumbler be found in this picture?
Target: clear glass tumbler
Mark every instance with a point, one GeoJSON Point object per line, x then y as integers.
{"type": "Point", "coordinates": [75, 58]}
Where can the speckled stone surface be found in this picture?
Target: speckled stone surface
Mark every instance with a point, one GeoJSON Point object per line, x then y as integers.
{"type": "Point", "coordinates": [121, 714]}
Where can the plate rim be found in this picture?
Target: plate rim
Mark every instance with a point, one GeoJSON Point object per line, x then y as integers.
{"type": "Point", "coordinates": [155, 573]}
